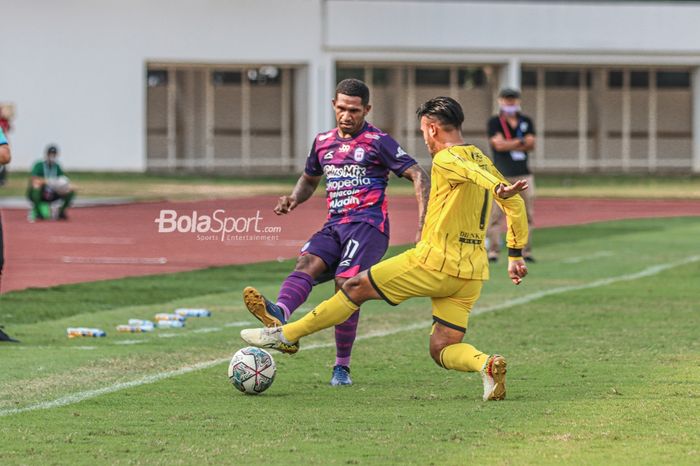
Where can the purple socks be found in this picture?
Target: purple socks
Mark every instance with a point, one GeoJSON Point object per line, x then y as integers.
{"type": "Point", "coordinates": [294, 291]}
{"type": "Point", "coordinates": [344, 338]}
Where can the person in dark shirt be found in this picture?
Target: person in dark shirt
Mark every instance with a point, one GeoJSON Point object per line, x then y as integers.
{"type": "Point", "coordinates": [511, 136]}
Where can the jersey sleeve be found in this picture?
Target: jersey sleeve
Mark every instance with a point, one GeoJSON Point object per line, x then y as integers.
{"type": "Point", "coordinates": [493, 127]}
{"type": "Point", "coordinates": [38, 170]}
{"type": "Point", "coordinates": [313, 165]}
{"type": "Point", "coordinates": [457, 169]}
{"type": "Point", "coordinates": [59, 170]}
{"type": "Point", "coordinates": [392, 156]}
{"type": "Point", "coordinates": [3, 138]}
{"type": "Point", "coordinates": [516, 216]}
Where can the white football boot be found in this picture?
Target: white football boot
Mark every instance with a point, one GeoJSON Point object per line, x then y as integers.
{"type": "Point", "coordinates": [268, 337]}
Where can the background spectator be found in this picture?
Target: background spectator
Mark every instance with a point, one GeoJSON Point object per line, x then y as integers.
{"type": "Point", "coordinates": [48, 183]}
{"type": "Point", "coordinates": [511, 136]}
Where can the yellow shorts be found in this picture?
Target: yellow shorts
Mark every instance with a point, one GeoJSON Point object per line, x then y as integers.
{"type": "Point", "coordinates": [401, 277]}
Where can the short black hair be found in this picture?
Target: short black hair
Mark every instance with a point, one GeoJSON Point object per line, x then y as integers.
{"type": "Point", "coordinates": [509, 93]}
{"type": "Point", "coordinates": [354, 88]}
{"type": "Point", "coordinates": [445, 109]}
{"type": "Point", "coordinates": [52, 149]}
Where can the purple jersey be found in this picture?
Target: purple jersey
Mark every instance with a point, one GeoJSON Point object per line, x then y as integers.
{"type": "Point", "coordinates": [357, 171]}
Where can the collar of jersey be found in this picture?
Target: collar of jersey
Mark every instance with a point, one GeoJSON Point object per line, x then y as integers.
{"type": "Point", "coordinates": [358, 134]}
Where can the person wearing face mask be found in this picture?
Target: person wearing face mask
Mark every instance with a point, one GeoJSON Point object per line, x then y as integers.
{"type": "Point", "coordinates": [511, 136]}
{"type": "Point", "coordinates": [48, 183]}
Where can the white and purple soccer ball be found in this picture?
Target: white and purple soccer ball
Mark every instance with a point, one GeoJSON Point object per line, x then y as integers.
{"type": "Point", "coordinates": [252, 370]}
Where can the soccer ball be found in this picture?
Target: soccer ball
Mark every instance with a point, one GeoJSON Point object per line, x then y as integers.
{"type": "Point", "coordinates": [252, 370]}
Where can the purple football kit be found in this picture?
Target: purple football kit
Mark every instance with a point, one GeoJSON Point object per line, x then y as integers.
{"type": "Point", "coordinates": [356, 233]}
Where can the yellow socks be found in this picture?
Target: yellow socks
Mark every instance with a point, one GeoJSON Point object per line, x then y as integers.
{"type": "Point", "coordinates": [331, 312]}
{"type": "Point", "coordinates": [462, 357]}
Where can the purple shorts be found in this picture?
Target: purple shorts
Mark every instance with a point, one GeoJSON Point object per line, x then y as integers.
{"type": "Point", "coordinates": [347, 249]}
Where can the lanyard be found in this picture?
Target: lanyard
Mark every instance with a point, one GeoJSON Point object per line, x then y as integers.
{"type": "Point", "coordinates": [50, 173]}
{"type": "Point", "coordinates": [506, 128]}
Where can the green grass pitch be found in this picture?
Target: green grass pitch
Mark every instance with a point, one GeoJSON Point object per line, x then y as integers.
{"type": "Point", "coordinates": [602, 342]}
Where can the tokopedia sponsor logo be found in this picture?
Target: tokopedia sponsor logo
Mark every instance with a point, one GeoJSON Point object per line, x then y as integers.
{"type": "Point", "coordinates": [217, 223]}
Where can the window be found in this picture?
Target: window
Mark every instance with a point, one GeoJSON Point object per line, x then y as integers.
{"type": "Point", "coordinates": [638, 79]}
{"type": "Point", "coordinates": [264, 76]}
{"type": "Point", "coordinates": [672, 79]}
{"type": "Point", "coordinates": [561, 78]}
{"type": "Point", "coordinates": [155, 78]}
{"type": "Point", "coordinates": [347, 73]}
{"type": "Point", "coordinates": [225, 78]}
{"type": "Point", "coordinates": [566, 78]}
{"type": "Point", "coordinates": [528, 78]}
{"type": "Point", "coordinates": [381, 76]}
{"type": "Point", "coordinates": [471, 77]}
{"type": "Point", "coordinates": [432, 77]}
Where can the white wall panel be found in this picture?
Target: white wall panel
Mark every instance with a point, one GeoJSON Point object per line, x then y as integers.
{"type": "Point", "coordinates": [76, 69]}
{"type": "Point", "coordinates": [514, 26]}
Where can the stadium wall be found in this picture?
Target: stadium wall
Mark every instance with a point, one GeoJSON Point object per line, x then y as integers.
{"type": "Point", "coordinates": [76, 70]}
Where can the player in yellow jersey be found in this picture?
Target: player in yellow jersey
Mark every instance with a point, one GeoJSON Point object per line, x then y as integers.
{"type": "Point", "coordinates": [449, 264]}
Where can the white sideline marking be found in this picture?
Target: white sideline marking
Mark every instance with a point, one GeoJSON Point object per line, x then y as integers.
{"type": "Point", "coordinates": [129, 342]}
{"type": "Point", "coordinates": [207, 330]}
{"type": "Point", "coordinates": [240, 323]}
{"type": "Point", "coordinates": [184, 332]}
{"type": "Point", "coordinates": [114, 260]}
{"type": "Point", "coordinates": [80, 396]}
{"type": "Point", "coordinates": [649, 271]}
{"type": "Point", "coordinates": [85, 395]}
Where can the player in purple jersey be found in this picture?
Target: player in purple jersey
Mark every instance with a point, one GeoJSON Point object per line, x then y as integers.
{"type": "Point", "coordinates": [356, 159]}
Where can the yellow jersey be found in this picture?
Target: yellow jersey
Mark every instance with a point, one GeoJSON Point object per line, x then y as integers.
{"type": "Point", "coordinates": [463, 185]}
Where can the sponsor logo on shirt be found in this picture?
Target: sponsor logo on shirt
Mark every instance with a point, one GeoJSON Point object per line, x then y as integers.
{"type": "Point", "coordinates": [328, 156]}
{"type": "Point", "coordinates": [359, 154]}
{"type": "Point", "coordinates": [376, 137]}
{"type": "Point", "coordinates": [323, 137]}
{"type": "Point", "coordinates": [470, 238]}
{"type": "Point", "coordinates": [345, 171]}
{"type": "Point", "coordinates": [400, 152]}
{"type": "Point", "coordinates": [345, 148]}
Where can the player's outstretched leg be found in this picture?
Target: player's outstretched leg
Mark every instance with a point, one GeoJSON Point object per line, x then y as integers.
{"type": "Point", "coordinates": [267, 312]}
{"type": "Point", "coordinates": [270, 338]}
{"type": "Point", "coordinates": [345, 334]}
{"type": "Point", "coordinates": [493, 375]}
{"type": "Point", "coordinates": [327, 314]}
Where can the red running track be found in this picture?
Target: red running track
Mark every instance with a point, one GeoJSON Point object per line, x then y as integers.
{"type": "Point", "coordinates": [111, 242]}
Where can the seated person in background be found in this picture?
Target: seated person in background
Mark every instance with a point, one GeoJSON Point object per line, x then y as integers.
{"type": "Point", "coordinates": [48, 183]}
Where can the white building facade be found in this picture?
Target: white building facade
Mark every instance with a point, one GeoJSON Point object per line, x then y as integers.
{"type": "Point", "coordinates": [242, 86]}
